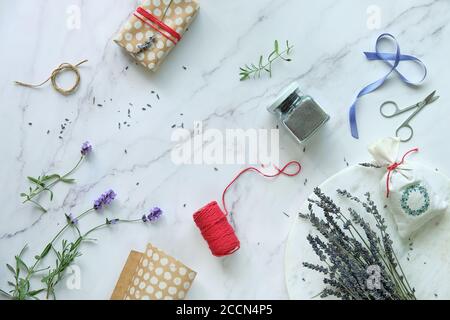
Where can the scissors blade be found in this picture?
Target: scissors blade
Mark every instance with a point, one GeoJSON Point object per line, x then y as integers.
{"type": "Point", "coordinates": [431, 98]}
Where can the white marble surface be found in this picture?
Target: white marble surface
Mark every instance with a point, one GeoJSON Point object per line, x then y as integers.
{"type": "Point", "coordinates": [329, 36]}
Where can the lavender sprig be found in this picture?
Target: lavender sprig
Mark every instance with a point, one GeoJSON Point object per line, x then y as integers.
{"type": "Point", "coordinates": [348, 248]}
{"type": "Point", "coordinates": [65, 256]}
{"type": "Point", "coordinates": [47, 182]}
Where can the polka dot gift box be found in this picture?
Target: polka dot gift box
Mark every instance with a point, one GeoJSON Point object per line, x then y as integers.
{"type": "Point", "coordinates": [154, 29]}
{"type": "Point", "coordinates": [153, 275]}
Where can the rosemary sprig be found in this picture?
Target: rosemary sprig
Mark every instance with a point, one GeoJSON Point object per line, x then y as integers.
{"type": "Point", "coordinates": [254, 71]}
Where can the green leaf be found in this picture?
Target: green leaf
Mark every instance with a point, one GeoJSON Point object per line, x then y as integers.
{"type": "Point", "coordinates": [23, 195]}
{"type": "Point", "coordinates": [10, 267]}
{"type": "Point", "coordinates": [35, 292]}
{"type": "Point", "coordinates": [40, 270]}
{"type": "Point", "coordinates": [36, 181]}
{"type": "Point", "coordinates": [23, 250]}
{"type": "Point", "coordinates": [244, 77]}
{"type": "Point", "coordinates": [289, 48]}
{"type": "Point", "coordinates": [21, 264]}
{"type": "Point", "coordinates": [46, 251]}
{"type": "Point", "coordinates": [24, 286]}
{"type": "Point", "coordinates": [68, 180]}
{"type": "Point", "coordinates": [276, 47]}
{"type": "Point", "coordinates": [77, 243]}
{"type": "Point", "coordinates": [50, 177]}
{"type": "Point", "coordinates": [11, 284]}
{"type": "Point", "coordinates": [51, 193]}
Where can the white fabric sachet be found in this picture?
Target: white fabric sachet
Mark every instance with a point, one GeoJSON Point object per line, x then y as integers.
{"type": "Point", "coordinates": [415, 193]}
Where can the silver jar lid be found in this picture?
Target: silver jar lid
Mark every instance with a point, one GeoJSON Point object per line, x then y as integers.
{"type": "Point", "coordinates": [293, 87]}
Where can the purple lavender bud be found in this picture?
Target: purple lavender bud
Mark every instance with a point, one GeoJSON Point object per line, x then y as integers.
{"type": "Point", "coordinates": [104, 200]}
{"type": "Point", "coordinates": [144, 218]}
{"type": "Point", "coordinates": [109, 196]}
{"type": "Point", "coordinates": [86, 148]}
{"type": "Point", "coordinates": [71, 219]}
{"type": "Point", "coordinates": [98, 204]}
{"type": "Point", "coordinates": [114, 221]}
{"type": "Point", "coordinates": [154, 214]}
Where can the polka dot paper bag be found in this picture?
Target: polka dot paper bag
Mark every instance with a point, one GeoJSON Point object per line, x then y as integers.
{"type": "Point", "coordinates": [153, 30]}
{"type": "Point", "coordinates": [153, 275]}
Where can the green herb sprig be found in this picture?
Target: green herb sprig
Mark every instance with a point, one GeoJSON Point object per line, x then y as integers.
{"type": "Point", "coordinates": [23, 273]}
{"type": "Point", "coordinates": [46, 182]}
{"type": "Point", "coordinates": [255, 70]}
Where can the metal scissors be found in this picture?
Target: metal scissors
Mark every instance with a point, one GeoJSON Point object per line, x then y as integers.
{"type": "Point", "coordinates": [397, 111]}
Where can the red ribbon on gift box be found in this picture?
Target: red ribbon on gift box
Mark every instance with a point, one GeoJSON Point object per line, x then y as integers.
{"type": "Point", "coordinates": [149, 19]}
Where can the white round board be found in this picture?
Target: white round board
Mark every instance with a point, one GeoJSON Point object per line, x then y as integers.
{"type": "Point", "coordinates": [425, 257]}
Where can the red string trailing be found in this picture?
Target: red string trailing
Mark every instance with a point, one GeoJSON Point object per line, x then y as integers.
{"type": "Point", "coordinates": [213, 222]}
{"type": "Point", "coordinates": [394, 167]}
{"type": "Point", "coordinates": [149, 19]}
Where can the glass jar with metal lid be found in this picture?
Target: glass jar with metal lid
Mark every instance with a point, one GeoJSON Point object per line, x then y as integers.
{"type": "Point", "coordinates": [299, 113]}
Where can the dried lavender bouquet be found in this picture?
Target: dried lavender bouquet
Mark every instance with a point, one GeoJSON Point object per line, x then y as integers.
{"type": "Point", "coordinates": [358, 263]}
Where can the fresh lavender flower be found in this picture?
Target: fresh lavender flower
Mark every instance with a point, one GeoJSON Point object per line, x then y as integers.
{"type": "Point", "coordinates": [86, 148]}
{"type": "Point", "coordinates": [71, 219]}
{"type": "Point", "coordinates": [153, 216]}
{"type": "Point", "coordinates": [104, 200]}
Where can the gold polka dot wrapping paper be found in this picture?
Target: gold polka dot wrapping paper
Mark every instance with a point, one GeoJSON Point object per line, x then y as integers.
{"type": "Point", "coordinates": [147, 40]}
{"type": "Point", "coordinates": [153, 275]}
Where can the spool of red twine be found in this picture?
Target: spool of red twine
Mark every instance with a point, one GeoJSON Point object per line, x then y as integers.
{"type": "Point", "coordinates": [213, 222]}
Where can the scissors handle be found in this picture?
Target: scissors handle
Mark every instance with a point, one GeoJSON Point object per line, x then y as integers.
{"type": "Point", "coordinates": [391, 113]}
{"type": "Point", "coordinates": [405, 137]}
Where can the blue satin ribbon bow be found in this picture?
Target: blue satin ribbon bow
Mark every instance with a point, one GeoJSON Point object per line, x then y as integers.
{"type": "Point", "coordinates": [386, 57]}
